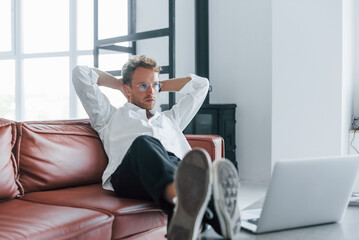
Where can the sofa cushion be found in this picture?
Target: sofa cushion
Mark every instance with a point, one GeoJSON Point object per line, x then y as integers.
{"type": "Point", "coordinates": [27, 220]}
{"type": "Point", "coordinates": [58, 154]}
{"type": "Point", "coordinates": [131, 216]}
{"type": "Point", "coordinates": [8, 168]}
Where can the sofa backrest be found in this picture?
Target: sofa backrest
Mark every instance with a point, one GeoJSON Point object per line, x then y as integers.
{"type": "Point", "coordinates": [58, 154]}
{"type": "Point", "coordinates": [8, 169]}
{"type": "Point", "coordinates": [46, 155]}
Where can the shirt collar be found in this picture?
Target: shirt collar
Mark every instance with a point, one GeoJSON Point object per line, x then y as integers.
{"type": "Point", "coordinates": [153, 112]}
{"type": "Point", "coordinates": [133, 107]}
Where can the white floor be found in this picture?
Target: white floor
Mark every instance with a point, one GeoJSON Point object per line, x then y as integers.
{"type": "Point", "coordinates": [250, 193]}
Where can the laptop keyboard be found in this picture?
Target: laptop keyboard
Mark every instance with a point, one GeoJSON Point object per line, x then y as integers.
{"type": "Point", "coordinates": [354, 200]}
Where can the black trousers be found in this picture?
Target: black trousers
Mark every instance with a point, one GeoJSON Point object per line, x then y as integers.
{"type": "Point", "coordinates": [146, 169]}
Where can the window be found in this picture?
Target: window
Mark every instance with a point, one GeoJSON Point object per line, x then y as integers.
{"type": "Point", "coordinates": [7, 89]}
{"type": "Point", "coordinates": [46, 78]}
{"type": "Point", "coordinates": [6, 16]}
{"type": "Point", "coordinates": [45, 26]}
{"type": "Point", "coordinates": [109, 13]}
{"type": "Point", "coordinates": [41, 42]}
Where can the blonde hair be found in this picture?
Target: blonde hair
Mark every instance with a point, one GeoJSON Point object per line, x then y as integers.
{"type": "Point", "coordinates": [135, 62]}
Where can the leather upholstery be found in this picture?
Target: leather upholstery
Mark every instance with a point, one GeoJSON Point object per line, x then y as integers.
{"type": "Point", "coordinates": [213, 144]}
{"type": "Point", "coordinates": [145, 214]}
{"type": "Point", "coordinates": [59, 154]}
{"type": "Point", "coordinates": [8, 167]}
{"type": "Point", "coordinates": [55, 168]}
{"type": "Point", "coordinates": [26, 220]}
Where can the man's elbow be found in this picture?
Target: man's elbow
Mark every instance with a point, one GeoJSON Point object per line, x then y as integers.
{"type": "Point", "coordinates": [79, 74]}
{"type": "Point", "coordinates": [205, 83]}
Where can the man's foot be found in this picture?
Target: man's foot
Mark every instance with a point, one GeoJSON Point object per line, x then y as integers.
{"type": "Point", "coordinates": [193, 182]}
{"type": "Point", "coordinates": [226, 220]}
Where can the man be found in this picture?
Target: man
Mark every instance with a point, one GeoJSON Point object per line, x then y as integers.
{"type": "Point", "coordinates": [144, 148]}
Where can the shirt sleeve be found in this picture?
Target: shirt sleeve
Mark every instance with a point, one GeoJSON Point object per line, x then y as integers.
{"type": "Point", "coordinates": [195, 92]}
{"type": "Point", "coordinates": [96, 104]}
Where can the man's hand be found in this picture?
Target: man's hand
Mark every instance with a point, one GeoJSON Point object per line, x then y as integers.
{"type": "Point", "coordinates": [121, 86]}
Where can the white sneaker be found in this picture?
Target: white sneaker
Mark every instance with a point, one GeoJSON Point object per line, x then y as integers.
{"type": "Point", "coordinates": [225, 194]}
{"type": "Point", "coordinates": [193, 182]}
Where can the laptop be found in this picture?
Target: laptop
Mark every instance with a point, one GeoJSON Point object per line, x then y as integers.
{"type": "Point", "coordinates": [304, 192]}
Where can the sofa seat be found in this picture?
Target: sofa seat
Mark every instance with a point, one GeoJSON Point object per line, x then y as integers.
{"type": "Point", "coordinates": [28, 220]}
{"type": "Point", "coordinates": [130, 216]}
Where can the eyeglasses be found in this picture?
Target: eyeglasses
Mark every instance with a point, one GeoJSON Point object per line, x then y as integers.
{"type": "Point", "coordinates": [144, 86]}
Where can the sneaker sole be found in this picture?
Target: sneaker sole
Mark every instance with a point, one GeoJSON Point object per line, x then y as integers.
{"type": "Point", "coordinates": [225, 193]}
{"type": "Point", "coordinates": [193, 183]}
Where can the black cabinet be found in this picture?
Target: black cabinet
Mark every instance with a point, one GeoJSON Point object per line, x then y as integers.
{"type": "Point", "coordinates": [216, 119]}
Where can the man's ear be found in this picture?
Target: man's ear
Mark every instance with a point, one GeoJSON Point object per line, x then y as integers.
{"type": "Point", "coordinates": [128, 92]}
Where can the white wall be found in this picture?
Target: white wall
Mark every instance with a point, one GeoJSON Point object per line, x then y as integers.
{"type": "Point", "coordinates": [351, 50]}
{"type": "Point", "coordinates": [356, 56]}
{"type": "Point", "coordinates": [347, 71]}
{"type": "Point", "coordinates": [307, 105]}
{"type": "Point", "coordinates": [240, 73]}
{"type": "Point", "coordinates": [287, 65]}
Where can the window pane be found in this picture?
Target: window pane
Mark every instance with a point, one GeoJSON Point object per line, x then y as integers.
{"type": "Point", "coordinates": [112, 18]}
{"type": "Point", "coordinates": [46, 26]}
{"type": "Point", "coordinates": [7, 89]}
{"type": "Point", "coordinates": [109, 62]}
{"type": "Point", "coordinates": [5, 25]}
{"type": "Point", "coordinates": [86, 60]}
{"type": "Point", "coordinates": [46, 88]}
{"type": "Point", "coordinates": [85, 24]}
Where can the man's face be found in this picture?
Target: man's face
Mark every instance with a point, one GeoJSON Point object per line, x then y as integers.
{"type": "Point", "coordinates": [147, 98]}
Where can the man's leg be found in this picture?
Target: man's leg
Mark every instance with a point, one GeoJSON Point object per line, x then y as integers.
{"type": "Point", "coordinates": [145, 172]}
{"type": "Point", "coordinates": [193, 182]}
{"type": "Point", "coordinates": [223, 212]}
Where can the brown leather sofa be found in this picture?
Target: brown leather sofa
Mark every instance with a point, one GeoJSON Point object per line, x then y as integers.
{"type": "Point", "coordinates": [50, 185]}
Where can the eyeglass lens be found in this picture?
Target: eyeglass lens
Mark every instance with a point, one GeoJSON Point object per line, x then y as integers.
{"type": "Point", "coordinates": [145, 86]}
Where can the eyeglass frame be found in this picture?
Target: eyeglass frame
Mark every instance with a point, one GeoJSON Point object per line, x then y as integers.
{"type": "Point", "coordinates": [159, 85]}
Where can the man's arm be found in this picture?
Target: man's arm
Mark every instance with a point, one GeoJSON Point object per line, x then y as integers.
{"type": "Point", "coordinates": [194, 90]}
{"type": "Point", "coordinates": [107, 80]}
{"type": "Point", "coordinates": [96, 104]}
{"type": "Point", "coordinates": [175, 84]}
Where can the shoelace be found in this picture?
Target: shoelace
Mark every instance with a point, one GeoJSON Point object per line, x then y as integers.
{"type": "Point", "coordinates": [208, 213]}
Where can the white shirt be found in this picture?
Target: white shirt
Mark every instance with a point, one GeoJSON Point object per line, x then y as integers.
{"type": "Point", "coordinates": [119, 127]}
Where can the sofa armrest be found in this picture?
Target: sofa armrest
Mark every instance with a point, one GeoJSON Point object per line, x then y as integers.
{"type": "Point", "coordinates": [213, 144]}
